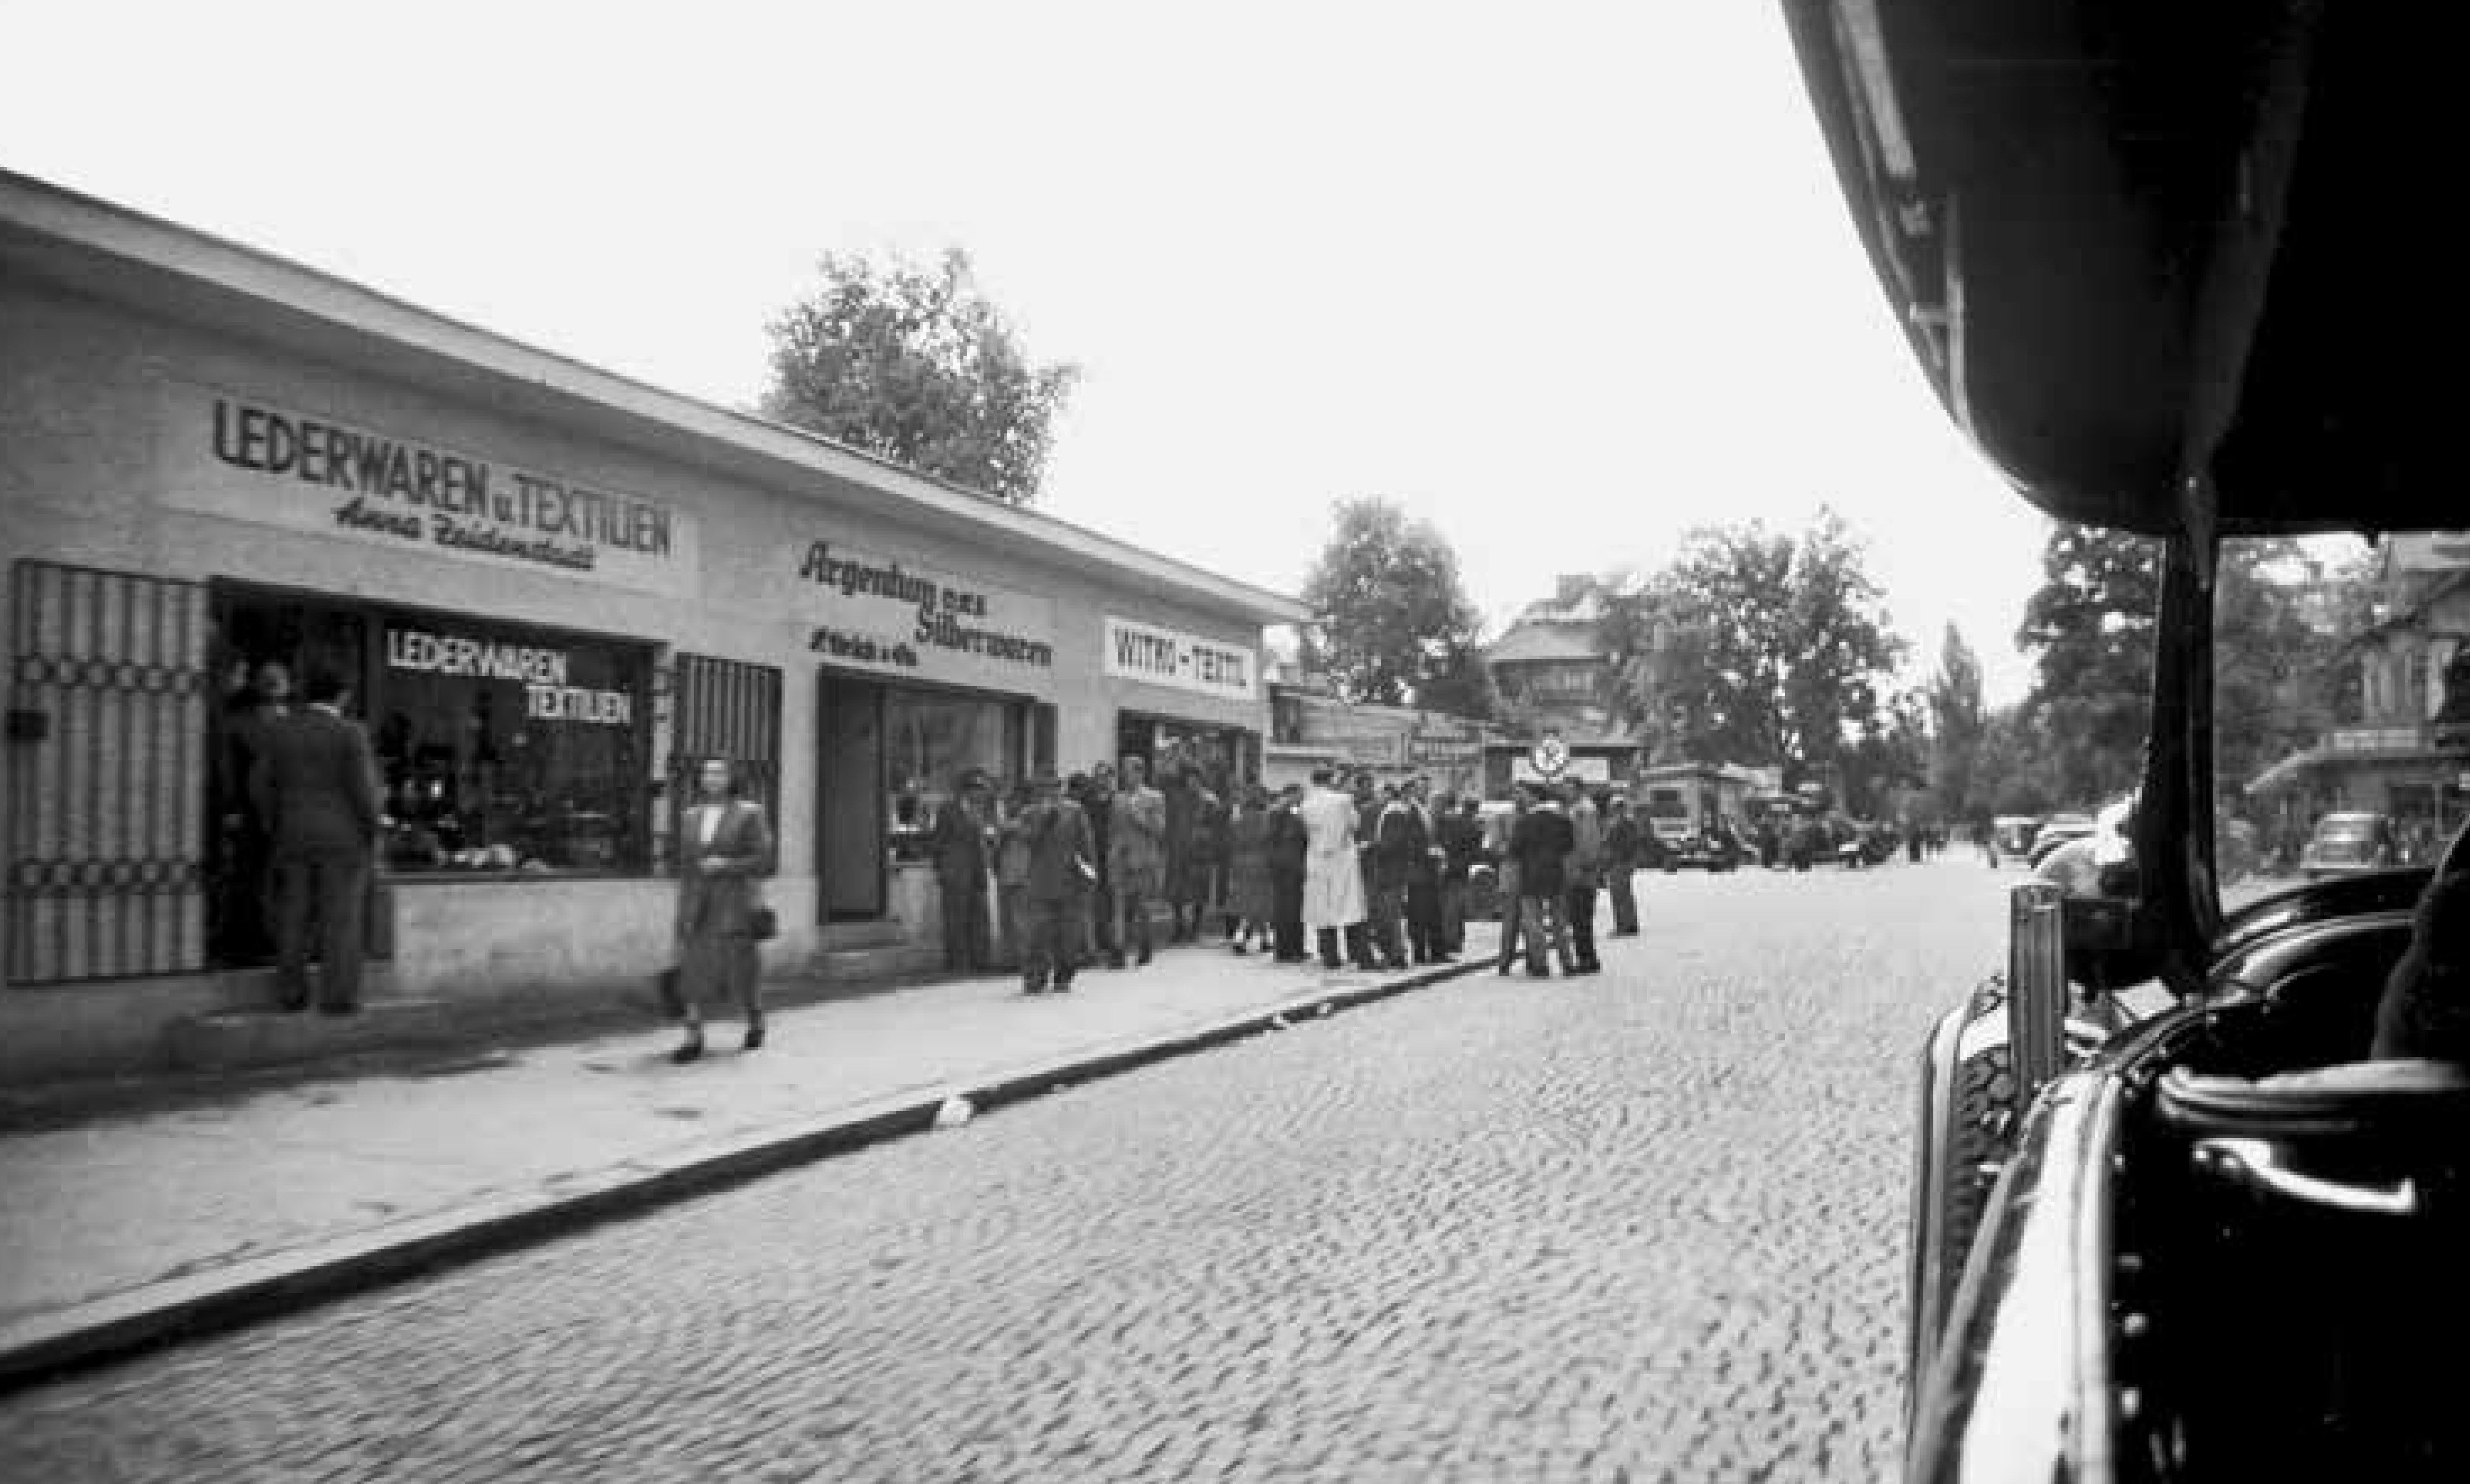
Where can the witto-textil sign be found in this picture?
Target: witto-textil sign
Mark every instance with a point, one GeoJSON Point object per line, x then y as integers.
{"type": "Point", "coordinates": [1180, 661]}
{"type": "Point", "coordinates": [871, 612]}
{"type": "Point", "coordinates": [246, 459]}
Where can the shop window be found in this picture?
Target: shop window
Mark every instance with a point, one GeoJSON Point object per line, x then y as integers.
{"type": "Point", "coordinates": [500, 747]}
{"type": "Point", "coordinates": [932, 739]}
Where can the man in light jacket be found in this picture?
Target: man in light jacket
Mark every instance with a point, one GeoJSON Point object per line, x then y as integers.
{"type": "Point", "coordinates": [1333, 873]}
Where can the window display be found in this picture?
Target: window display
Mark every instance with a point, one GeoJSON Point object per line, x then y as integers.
{"type": "Point", "coordinates": [498, 748]}
{"type": "Point", "coordinates": [507, 748]}
{"type": "Point", "coordinates": [931, 738]}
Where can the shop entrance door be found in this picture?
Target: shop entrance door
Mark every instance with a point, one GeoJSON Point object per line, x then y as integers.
{"type": "Point", "coordinates": [848, 774]}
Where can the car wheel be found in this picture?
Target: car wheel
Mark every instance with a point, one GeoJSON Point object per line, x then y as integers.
{"type": "Point", "coordinates": [1973, 1135]}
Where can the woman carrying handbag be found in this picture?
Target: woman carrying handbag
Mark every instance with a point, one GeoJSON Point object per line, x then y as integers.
{"type": "Point", "coordinates": [723, 849]}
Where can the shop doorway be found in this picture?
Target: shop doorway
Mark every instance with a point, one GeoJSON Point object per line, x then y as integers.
{"type": "Point", "coordinates": [269, 644]}
{"type": "Point", "coordinates": [1227, 756]}
{"type": "Point", "coordinates": [848, 787]}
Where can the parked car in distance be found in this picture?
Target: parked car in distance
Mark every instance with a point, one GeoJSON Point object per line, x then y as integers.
{"type": "Point", "coordinates": [2055, 831]}
{"type": "Point", "coordinates": [2349, 843]}
{"type": "Point", "coordinates": [1718, 848]}
{"type": "Point", "coordinates": [2012, 835]}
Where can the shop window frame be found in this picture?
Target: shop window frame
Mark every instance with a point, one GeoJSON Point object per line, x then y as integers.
{"type": "Point", "coordinates": [376, 614]}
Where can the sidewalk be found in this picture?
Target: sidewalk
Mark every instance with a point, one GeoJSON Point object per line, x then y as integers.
{"type": "Point", "coordinates": [127, 1229]}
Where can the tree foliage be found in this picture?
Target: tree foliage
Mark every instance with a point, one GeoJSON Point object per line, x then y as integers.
{"type": "Point", "coordinates": [1393, 624]}
{"type": "Point", "coordinates": [2091, 629]}
{"type": "Point", "coordinates": [913, 363]}
{"type": "Point", "coordinates": [1758, 647]}
{"type": "Point", "coordinates": [1957, 721]}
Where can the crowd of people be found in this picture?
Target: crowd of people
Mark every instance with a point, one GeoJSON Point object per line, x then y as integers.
{"type": "Point", "coordinates": [1061, 872]}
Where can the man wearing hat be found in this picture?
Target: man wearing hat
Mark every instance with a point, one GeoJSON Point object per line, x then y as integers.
{"type": "Point", "coordinates": [958, 840]}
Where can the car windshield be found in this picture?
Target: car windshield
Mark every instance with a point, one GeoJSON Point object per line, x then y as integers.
{"type": "Point", "coordinates": [2340, 707]}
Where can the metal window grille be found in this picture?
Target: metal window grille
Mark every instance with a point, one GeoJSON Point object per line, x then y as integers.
{"type": "Point", "coordinates": [106, 775]}
{"type": "Point", "coordinates": [724, 708]}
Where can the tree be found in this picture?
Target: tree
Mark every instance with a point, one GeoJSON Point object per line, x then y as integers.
{"type": "Point", "coordinates": [913, 364]}
{"type": "Point", "coordinates": [1958, 722]}
{"type": "Point", "coordinates": [2091, 629]}
{"type": "Point", "coordinates": [1391, 623]}
{"type": "Point", "coordinates": [1754, 646]}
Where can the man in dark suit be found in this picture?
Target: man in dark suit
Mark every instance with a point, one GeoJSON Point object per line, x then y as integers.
{"type": "Point", "coordinates": [724, 851]}
{"type": "Point", "coordinates": [1541, 843]}
{"type": "Point", "coordinates": [960, 844]}
{"type": "Point", "coordinates": [314, 784]}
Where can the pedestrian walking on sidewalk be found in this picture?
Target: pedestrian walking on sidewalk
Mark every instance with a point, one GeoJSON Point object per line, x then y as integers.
{"type": "Point", "coordinates": [1137, 858]}
{"type": "Point", "coordinates": [959, 842]}
{"type": "Point", "coordinates": [1062, 873]}
{"type": "Point", "coordinates": [724, 850]}
{"type": "Point", "coordinates": [1288, 847]}
{"type": "Point", "coordinates": [315, 784]}
{"type": "Point", "coordinates": [1248, 847]}
{"type": "Point", "coordinates": [1333, 873]}
{"type": "Point", "coordinates": [1620, 864]}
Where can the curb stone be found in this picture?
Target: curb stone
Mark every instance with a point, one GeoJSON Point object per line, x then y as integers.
{"type": "Point", "coordinates": [41, 1347]}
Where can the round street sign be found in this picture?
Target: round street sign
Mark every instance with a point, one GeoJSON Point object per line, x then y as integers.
{"type": "Point", "coordinates": [1551, 756]}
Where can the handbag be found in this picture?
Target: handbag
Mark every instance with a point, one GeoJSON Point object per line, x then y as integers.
{"type": "Point", "coordinates": [762, 924]}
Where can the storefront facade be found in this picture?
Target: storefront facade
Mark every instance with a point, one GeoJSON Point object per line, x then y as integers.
{"type": "Point", "coordinates": [550, 590]}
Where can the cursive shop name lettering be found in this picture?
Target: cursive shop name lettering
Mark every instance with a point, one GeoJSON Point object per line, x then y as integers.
{"type": "Point", "coordinates": [548, 696]}
{"type": "Point", "coordinates": [940, 611]}
{"type": "Point", "coordinates": [404, 489]}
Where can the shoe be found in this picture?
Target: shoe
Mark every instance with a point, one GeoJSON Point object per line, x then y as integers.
{"type": "Point", "coordinates": [1240, 949]}
{"type": "Point", "coordinates": [1586, 968]}
{"type": "Point", "coordinates": [1114, 961]}
{"type": "Point", "coordinates": [1033, 988]}
{"type": "Point", "coordinates": [1063, 986]}
{"type": "Point", "coordinates": [754, 1038]}
{"type": "Point", "coordinates": [339, 1009]}
{"type": "Point", "coordinates": [692, 1050]}
{"type": "Point", "coordinates": [1144, 957]}
{"type": "Point", "coordinates": [1543, 973]}
{"type": "Point", "coordinates": [1504, 967]}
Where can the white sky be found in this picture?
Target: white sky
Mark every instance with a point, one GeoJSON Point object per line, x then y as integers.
{"type": "Point", "coordinates": [1566, 280]}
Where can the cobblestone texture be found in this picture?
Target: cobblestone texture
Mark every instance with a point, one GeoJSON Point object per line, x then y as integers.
{"type": "Point", "coordinates": [1642, 1226]}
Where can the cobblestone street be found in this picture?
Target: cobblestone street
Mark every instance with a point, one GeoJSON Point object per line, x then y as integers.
{"type": "Point", "coordinates": [1647, 1225]}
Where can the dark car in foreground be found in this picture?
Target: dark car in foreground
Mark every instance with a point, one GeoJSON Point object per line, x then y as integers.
{"type": "Point", "coordinates": [2192, 1177]}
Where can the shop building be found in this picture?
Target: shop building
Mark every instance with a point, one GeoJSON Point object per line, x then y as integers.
{"type": "Point", "coordinates": [1312, 728]}
{"type": "Point", "coordinates": [551, 589]}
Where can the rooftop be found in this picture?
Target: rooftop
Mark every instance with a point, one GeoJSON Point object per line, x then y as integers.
{"type": "Point", "coordinates": [108, 252]}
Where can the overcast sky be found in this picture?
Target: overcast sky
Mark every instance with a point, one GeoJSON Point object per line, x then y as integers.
{"type": "Point", "coordinates": [1566, 280]}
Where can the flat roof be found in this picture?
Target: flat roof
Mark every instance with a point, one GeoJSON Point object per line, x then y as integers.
{"type": "Point", "coordinates": [126, 256]}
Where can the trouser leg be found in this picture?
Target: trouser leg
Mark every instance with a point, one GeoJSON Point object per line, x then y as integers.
{"type": "Point", "coordinates": [294, 884]}
{"type": "Point", "coordinates": [1327, 941]}
{"type": "Point", "coordinates": [1513, 918]}
{"type": "Point", "coordinates": [1624, 901]}
{"type": "Point", "coordinates": [343, 896]}
{"type": "Point", "coordinates": [1582, 923]}
{"type": "Point", "coordinates": [956, 904]}
{"type": "Point", "coordinates": [1359, 946]}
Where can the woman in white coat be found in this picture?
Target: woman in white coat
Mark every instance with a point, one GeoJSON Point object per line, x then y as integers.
{"type": "Point", "coordinates": [1333, 877]}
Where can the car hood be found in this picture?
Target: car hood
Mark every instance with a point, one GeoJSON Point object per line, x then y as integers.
{"type": "Point", "coordinates": [2173, 268]}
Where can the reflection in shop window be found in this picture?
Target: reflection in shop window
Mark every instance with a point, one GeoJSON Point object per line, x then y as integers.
{"type": "Point", "coordinates": [508, 750]}
{"type": "Point", "coordinates": [931, 740]}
